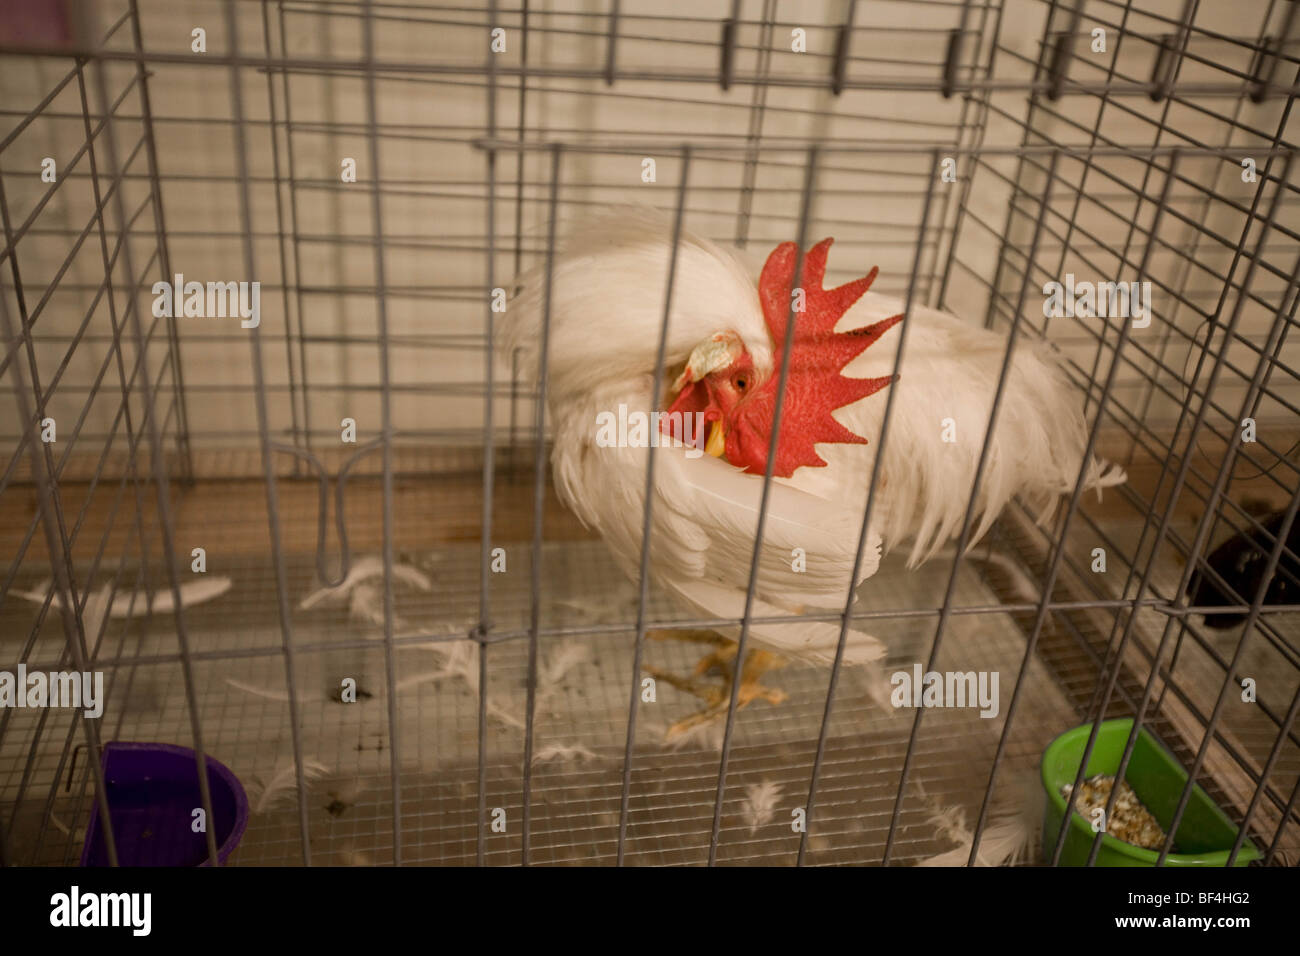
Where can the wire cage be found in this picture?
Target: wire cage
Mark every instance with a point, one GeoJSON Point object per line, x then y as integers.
{"type": "Point", "coordinates": [316, 540]}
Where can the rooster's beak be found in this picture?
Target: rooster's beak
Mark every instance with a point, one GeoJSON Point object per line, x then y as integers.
{"type": "Point", "coordinates": [717, 443]}
{"type": "Point", "coordinates": [694, 395]}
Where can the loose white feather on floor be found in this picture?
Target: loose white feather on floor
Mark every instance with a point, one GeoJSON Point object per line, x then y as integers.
{"type": "Point", "coordinates": [561, 753]}
{"type": "Point", "coordinates": [126, 604]}
{"type": "Point", "coordinates": [271, 694]}
{"type": "Point", "coordinates": [1010, 835]}
{"type": "Point", "coordinates": [560, 660]}
{"type": "Point", "coordinates": [760, 803]}
{"type": "Point", "coordinates": [459, 662]}
{"type": "Point", "coordinates": [362, 589]}
{"type": "Point", "coordinates": [267, 791]}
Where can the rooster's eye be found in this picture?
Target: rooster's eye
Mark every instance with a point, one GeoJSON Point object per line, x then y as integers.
{"type": "Point", "coordinates": [740, 382]}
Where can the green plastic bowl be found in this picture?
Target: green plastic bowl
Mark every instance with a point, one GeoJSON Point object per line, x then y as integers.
{"type": "Point", "coordinates": [1205, 835]}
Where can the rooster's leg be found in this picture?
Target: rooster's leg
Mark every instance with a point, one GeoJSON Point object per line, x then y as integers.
{"type": "Point", "coordinates": [758, 663]}
{"type": "Point", "coordinates": [718, 660]}
{"type": "Point", "coordinates": [702, 689]}
{"type": "Point", "coordinates": [720, 663]}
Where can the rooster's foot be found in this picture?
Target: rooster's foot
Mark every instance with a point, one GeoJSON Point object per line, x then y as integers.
{"type": "Point", "coordinates": [716, 694]}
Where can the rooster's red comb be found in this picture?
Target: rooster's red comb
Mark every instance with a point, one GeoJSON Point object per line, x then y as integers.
{"type": "Point", "coordinates": [814, 385]}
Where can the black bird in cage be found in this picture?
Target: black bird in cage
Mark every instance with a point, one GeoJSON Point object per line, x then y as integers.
{"type": "Point", "coordinates": [1240, 562]}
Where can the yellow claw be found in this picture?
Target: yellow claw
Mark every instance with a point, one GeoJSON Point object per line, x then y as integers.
{"type": "Point", "coordinates": [717, 443]}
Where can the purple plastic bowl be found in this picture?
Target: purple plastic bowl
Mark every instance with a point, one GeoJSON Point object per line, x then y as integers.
{"type": "Point", "coordinates": [153, 791]}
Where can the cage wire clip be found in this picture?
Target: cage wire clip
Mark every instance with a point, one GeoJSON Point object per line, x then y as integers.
{"type": "Point", "coordinates": [728, 53]}
{"type": "Point", "coordinates": [1061, 46]}
{"type": "Point", "coordinates": [1162, 69]}
{"type": "Point", "coordinates": [340, 525]}
{"type": "Point", "coordinates": [950, 61]}
{"type": "Point", "coordinates": [1062, 50]}
{"type": "Point", "coordinates": [1264, 63]}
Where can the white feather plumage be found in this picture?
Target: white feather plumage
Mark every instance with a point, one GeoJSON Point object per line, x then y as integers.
{"type": "Point", "coordinates": [606, 308]}
{"type": "Point", "coordinates": [562, 753]}
{"type": "Point", "coordinates": [128, 604]}
{"type": "Point", "coordinates": [1010, 834]}
{"type": "Point", "coordinates": [267, 693]}
{"type": "Point", "coordinates": [563, 658]}
{"type": "Point", "coordinates": [760, 803]}
{"type": "Point", "coordinates": [950, 370]}
{"type": "Point", "coordinates": [362, 590]}
{"type": "Point", "coordinates": [268, 791]}
{"type": "Point", "coordinates": [1004, 842]}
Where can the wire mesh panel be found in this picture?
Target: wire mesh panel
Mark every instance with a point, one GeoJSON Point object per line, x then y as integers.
{"type": "Point", "coordinates": [275, 478]}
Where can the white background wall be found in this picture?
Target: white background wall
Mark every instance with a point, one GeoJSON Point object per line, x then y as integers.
{"type": "Point", "coordinates": [434, 211]}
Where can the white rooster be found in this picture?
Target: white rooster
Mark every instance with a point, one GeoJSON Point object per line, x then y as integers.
{"type": "Point", "coordinates": [723, 352]}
